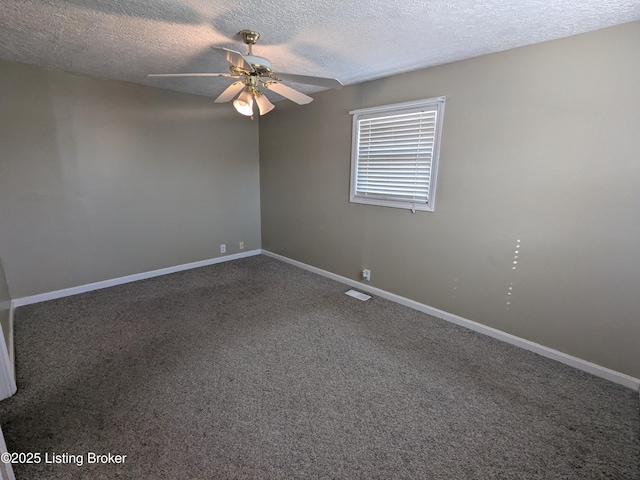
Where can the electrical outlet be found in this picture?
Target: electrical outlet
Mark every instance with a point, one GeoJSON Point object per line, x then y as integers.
{"type": "Point", "coordinates": [366, 275]}
{"type": "Point", "coordinates": [241, 245]}
{"type": "Point", "coordinates": [223, 248]}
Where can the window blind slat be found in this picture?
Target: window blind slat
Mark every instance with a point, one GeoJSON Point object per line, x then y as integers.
{"type": "Point", "coordinates": [406, 119]}
{"type": "Point", "coordinates": [398, 191]}
{"type": "Point", "coordinates": [399, 129]}
{"type": "Point", "coordinates": [394, 165]}
{"type": "Point", "coordinates": [400, 144]}
{"type": "Point", "coordinates": [388, 181]}
{"type": "Point", "coordinates": [397, 126]}
{"type": "Point", "coordinates": [389, 132]}
{"type": "Point", "coordinates": [395, 181]}
{"type": "Point", "coordinates": [396, 174]}
{"type": "Point", "coordinates": [395, 196]}
{"type": "Point", "coordinates": [365, 140]}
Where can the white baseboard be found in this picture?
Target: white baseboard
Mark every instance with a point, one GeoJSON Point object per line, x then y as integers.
{"type": "Point", "coordinates": [575, 362]}
{"type": "Point", "coordinates": [43, 297]}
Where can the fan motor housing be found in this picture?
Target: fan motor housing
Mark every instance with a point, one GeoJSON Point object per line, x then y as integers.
{"type": "Point", "coordinates": [261, 66]}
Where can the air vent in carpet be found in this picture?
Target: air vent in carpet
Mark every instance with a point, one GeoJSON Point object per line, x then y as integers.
{"type": "Point", "coordinates": [358, 295]}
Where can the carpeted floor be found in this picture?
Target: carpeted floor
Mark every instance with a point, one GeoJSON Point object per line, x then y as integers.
{"type": "Point", "coordinates": [257, 369]}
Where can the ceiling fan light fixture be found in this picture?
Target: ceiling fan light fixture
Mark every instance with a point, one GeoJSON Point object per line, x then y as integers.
{"type": "Point", "coordinates": [244, 103]}
{"type": "Point", "coordinates": [264, 105]}
{"type": "Point", "coordinates": [249, 72]}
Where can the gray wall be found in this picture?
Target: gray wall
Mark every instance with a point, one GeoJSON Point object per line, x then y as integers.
{"type": "Point", "coordinates": [540, 153]}
{"type": "Point", "coordinates": [101, 179]}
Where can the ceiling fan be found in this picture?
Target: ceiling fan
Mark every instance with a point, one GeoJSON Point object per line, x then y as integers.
{"type": "Point", "coordinates": [252, 71]}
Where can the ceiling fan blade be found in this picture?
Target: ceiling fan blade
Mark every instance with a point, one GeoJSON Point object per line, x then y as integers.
{"type": "Point", "coordinates": [230, 92]}
{"type": "Point", "coordinates": [192, 75]}
{"type": "Point", "coordinates": [289, 93]}
{"type": "Point", "coordinates": [319, 81]}
{"type": "Point", "coordinates": [234, 58]}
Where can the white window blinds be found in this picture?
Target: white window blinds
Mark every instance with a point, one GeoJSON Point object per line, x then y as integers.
{"type": "Point", "coordinates": [395, 154]}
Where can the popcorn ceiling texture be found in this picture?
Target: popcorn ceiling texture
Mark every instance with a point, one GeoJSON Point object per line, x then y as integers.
{"type": "Point", "coordinates": [351, 41]}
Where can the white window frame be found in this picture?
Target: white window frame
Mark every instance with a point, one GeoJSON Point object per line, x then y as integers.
{"type": "Point", "coordinates": [435, 104]}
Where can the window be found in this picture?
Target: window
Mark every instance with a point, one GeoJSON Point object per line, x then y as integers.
{"type": "Point", "coordinates": [394, 154]}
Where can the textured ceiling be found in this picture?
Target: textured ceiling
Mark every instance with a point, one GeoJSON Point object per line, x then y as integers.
{"type": "Point", "coordinates": [353, 41]}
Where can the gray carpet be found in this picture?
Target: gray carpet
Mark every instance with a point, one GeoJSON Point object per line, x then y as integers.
{"type": "Point", "coordinates": [257, 369]}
